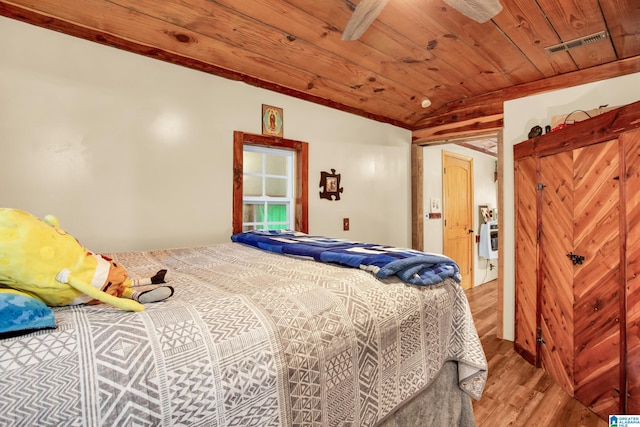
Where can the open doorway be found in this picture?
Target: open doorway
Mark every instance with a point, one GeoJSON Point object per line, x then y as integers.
{"type": "Point", "coordinates": [427, 225]}
{"type": "Point", "coordinates": [484, 193]}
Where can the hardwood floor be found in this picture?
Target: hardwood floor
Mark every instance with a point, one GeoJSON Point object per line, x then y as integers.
{"type": "Point", "coordinates": [517, 394]}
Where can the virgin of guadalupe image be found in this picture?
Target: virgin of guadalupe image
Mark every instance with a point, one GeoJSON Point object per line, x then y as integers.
{"type": "Point", "coordinates": [272, 121]}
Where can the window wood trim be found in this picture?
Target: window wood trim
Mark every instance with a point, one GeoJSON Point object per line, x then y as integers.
{"type": "Point", "coordinates": [301, 200]}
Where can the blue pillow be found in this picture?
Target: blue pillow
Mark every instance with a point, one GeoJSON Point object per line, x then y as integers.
{"type": "Point", "coordinates": [21, 314]}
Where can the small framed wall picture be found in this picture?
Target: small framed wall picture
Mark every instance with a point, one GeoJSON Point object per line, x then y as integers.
{"type": "Point", "coordinates": [272, 123]}
{"type": "Point", "coordinates": [330, 184]}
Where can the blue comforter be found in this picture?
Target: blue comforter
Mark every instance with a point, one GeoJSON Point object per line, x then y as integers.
{"type": "Point", "coordinates": [411, 266]}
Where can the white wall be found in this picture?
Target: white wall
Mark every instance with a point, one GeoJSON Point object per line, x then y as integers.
{"type": "Point", "coordinates": [485, 193]}
{"type": "Point", "coordinates": [520, 115]}
{"type": "Point", "coordinates": [133, 153]}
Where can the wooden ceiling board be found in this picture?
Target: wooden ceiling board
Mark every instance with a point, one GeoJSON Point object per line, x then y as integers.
{"type": "Point", "coordinates": [287, 56]}
{"type": "Point", "coordinates": [622, 19]}
{"type": "Point", "coordinates": [414, 49]}
{"type": "Point", "coordinates": [402, 54]}
{"type": "Point", "coordinates": [573, 20]}
{"type": "Point", "coordinates": [395, 62]}
{"type": "Point", "coordinates": [525, 25]}
{"type": "Point", "coordinates": [425, 30]}
{"type": "Point", "coordinates": [484, 42]}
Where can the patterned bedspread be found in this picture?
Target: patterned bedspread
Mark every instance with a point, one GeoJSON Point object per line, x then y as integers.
{"type": "Point", "coordinates": [411, 266]}
{"type": "Point", "coordinates": [250, 338]}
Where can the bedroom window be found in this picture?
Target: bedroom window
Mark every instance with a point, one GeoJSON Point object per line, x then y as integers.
{"type": "Point", "coordinates": [267, 190]}
{"type": "Point", "coordinates": [269, 183]}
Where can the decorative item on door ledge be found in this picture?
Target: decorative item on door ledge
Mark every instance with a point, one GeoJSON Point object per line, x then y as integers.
{"type": "Point", "coordinates": [535, 131]}
{"type": "Point", "coordinates": [330, 184]}
{"type": "Point", "coordinates": [272, 122]}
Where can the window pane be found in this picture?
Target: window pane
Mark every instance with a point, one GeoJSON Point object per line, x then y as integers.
{"type": "Point", "coordinates": [252, 186]}
{"type": "Point", "coordinates": [252, 162]}
{"type": "Point", "coordinates": [246, 227]}
{"type": "Point", "coordinates": [267, 179]}
{"type": "Point", "coordinates": [276, 187]}
{"type": "Point", "coordinates": [276, 165]}
{"type": "Point", "coordinates": [252, 212]}
{"type": "Point", "coordinates": [276, 212]}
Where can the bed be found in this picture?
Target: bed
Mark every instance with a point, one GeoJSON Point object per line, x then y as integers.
{"type": "Point", "coordinates": [252, 338]}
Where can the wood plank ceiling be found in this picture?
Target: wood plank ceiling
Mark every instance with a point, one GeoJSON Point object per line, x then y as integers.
{"type": "Point", "coordinates": [415, 49]}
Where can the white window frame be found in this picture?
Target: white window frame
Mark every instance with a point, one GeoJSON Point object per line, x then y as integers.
{"type": "Point", "coordinates": [265, 200]}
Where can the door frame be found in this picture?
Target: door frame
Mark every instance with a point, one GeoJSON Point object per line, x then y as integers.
{"type": "Point", "coordinates": [417, 210]}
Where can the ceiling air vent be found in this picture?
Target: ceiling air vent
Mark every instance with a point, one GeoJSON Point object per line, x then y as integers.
{"type": "Point", "coordinates": [563, 47]}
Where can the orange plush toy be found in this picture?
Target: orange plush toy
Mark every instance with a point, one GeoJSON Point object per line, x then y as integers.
{"type": "Point", "coordinates": [120, 285]}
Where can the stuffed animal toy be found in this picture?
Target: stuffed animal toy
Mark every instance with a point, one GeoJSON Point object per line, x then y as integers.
{"type": "Point", "coordinates": [41, 259]}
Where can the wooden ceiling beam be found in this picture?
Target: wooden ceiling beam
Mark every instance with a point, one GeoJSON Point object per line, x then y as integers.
{"type": "Point", "coordinates": [474, 127]}
{"type": "Point", "coordinates": [483, 114]}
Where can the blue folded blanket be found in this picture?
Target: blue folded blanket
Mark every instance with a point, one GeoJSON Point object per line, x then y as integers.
{"type": "Point", "coordinates": [411, 266]}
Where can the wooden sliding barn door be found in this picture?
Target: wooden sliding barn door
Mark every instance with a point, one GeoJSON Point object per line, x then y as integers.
{"type": "Point", "coordinates": [580, 274]}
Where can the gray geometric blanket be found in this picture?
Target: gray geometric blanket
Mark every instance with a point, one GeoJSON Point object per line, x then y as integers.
{"type": "Point", "coordinates": [249, 338]}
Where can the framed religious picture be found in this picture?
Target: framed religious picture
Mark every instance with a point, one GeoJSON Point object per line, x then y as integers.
{"type": "Point", "coordinates": [271, 120]}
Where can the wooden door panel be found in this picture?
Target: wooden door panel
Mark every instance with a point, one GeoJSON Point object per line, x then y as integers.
{"type": "Point", "coordinates": [556, 293]}
{"type": "Point", "coordinates": [605, 339]}
{"type": "Point", "coordinates": [596, 285]}
{"type": "Point", "coordinates": [526, 289]}
{"type": "Point", "coordinates": [458, 213]}
{"type": "Point", "coordinates": [631, 142]}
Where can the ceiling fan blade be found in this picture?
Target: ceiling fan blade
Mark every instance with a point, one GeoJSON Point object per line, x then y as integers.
{"type": "Point", "coordinates": [365, 13]}
{"type": "Point", "coordinates": [478, 10]}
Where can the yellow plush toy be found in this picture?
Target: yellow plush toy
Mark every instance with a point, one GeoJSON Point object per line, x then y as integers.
{"type": "Point", "coordinates": [41, 259]}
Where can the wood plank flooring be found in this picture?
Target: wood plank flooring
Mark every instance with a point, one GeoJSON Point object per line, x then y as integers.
{"type": "Point", "coordinates": [517, 394]}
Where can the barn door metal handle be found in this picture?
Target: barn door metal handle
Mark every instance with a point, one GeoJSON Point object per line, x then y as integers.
{"type": "Point", "coordinates": [470, 231]}
{"type": "Point", "coordinates": [575, 258]}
